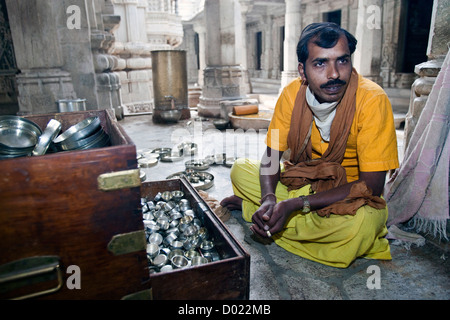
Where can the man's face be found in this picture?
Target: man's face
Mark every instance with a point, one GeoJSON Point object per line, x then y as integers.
{"type": "Point", "coordinates": [327, 70]}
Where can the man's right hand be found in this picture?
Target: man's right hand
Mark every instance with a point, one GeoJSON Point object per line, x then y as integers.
{"type": "Point", "coordinates": [262, 215]}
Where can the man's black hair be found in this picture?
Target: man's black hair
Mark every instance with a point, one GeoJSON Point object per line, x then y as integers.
{"type": "Point", "coordinates": [325, 35]}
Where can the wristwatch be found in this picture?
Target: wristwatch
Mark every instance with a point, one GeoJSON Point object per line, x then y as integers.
{"type": "Point", "coordinates": [306, 207]}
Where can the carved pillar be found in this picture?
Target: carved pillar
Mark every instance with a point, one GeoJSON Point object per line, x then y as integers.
{"type": "Point", "coordinates": [369, 33]}
{"type": "Point", "coordinates": [223, 76]}
{"type": "Point", "coordinates": [420, 89]}
{"type": "Point", "coordinates": [147, 25]}
{"type": "Point", "coordinates": [428, 71]}
{"type": "Point", "coordinates": [8, 66]}
{"type": "Point", "coordinates": [133, 57]}
{"type": "Point", "coordinates": [42, 79]}
{"type": "Point", "coordinates": [200, 29]}
{"type": "Point", "coordinates": [246, 6]}
{"type": "Point", "coordinates": [102, 39]}
{"type": "Point", "coordinates": [293, 29]}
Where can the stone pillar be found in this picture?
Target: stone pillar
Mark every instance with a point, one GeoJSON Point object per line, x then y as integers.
{"type": "Point", "coordinates": [389, 51]}
{"type": "Point", "coordinates": [439, 40]}
{"type": "Point", "coordinates": [102, 40]}
{"type": "Point", "coordinates": [246, 6]}
{"type": "Point", "coordinates": [427, 71]}
{"type": "Point", "coordinates": [367, 57]}
{"type": "Point", "coordinates": [42, 79]}
{"type": "Point", "coordinates": [146, 25]}
{"type": "Point", "coordinates": [200, 29]}
{"type": "Point", "coordinates": [292, 30]}
{"type": "Point", "coordinates": [223, 76]}
{"type": "Point", "coordinates": [133, 56]}
{"type": "Point", "coordinates": [420, 89]}
{"type": "Point", "coordinates": [267, 55]}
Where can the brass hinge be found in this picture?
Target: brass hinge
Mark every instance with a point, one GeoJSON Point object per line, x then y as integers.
{"type": "Point", "coordinates": [127, 242]}
{"type": "Point", "coordinates": [140, 295]}
{"type": "Point", "coordinates": [119, 180]}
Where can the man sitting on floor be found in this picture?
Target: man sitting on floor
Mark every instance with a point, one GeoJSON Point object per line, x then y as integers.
{"type": "Point", "coordinates": [325, 203]}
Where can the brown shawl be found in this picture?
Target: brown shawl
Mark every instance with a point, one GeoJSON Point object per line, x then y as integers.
{"type": "Point", "coordinates": [325, 173]}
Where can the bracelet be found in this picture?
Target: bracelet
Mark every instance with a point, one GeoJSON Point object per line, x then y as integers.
{"type": "Point", "coordinates": [306, 206]}
{"type": "Point", "coordinates": [264, 198]}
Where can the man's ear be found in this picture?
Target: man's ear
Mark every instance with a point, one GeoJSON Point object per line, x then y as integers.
{"type": "Point", "coordinates": [301, 71]}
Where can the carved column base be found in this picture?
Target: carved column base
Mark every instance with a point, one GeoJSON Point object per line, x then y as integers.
{"type": "Point", "coordinates": [40, 89]}
{"type": "Point", "coordinates": [220, 83]}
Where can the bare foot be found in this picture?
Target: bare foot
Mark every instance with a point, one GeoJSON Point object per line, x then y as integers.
{"type": "Point", "coordinates": [232, 203]}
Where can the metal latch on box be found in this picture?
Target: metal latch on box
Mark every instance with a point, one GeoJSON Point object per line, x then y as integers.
{"type": "Point", "coordinates": [119, 180]}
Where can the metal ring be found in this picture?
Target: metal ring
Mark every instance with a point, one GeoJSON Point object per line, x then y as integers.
{"type": "Point", "coordinates": [269, 234]}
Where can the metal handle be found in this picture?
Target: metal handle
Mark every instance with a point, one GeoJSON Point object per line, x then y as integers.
{"type": "Point", "coordinates": [19, 273]}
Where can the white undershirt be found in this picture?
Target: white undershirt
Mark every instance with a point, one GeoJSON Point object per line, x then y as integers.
{"type": "Point", "coordinates": [323, 113]}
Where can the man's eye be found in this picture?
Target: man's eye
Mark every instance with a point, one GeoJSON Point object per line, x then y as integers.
{"type": "Point", "coordinates": [318, 64]}
{"type": "Point", "coordinates": [343, 61]}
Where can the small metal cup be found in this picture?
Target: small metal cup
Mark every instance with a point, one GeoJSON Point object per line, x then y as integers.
{"type": "Point", "coordinates": [177, 195]}
{"type": "Point", "coordinates": [150, 205]}
{"type": "Point", "coordinates": [191, 254]}
{"type": "Point", "coordinates": [189, 213]}
{"type": "Point", "coordinates": [152, 228]}
{"type": "Point", "coordinates": [163, 223]}
{"type": "Point", "coordinates": [179, 261]}
{"type": "Point", "coordinates": [155, 238]}
{"type": "Point", "coordinates": [203, 233]}
{"type": "Point", "coordinates": [169, 206]}
{"type": "Point", "coordinates": [152, 250]}
{"type": "Point", "coordinates": [175, 215]}
{"type": "Point", "coordinates": [198, 260]}
{"type": "Point", "coordinates": [184, 203]}
{"type": "Point", "coordinates": [175, 252]}
{"type": "Point", "coordinates": [157, 197]}
{"type": "Point", "coordinates": [160, 260]}
{"type": "Point", "coordinates": [190, 230]}
{"type": "Point", "coordinates": [206, 245]}
{"type": "Point", "coordinates": [176, 245]}
{"type": "Point", "coordinates": [166, 268]}
{"type": "Point", "coordinates": [148, 215]}
{"type": "Point", "coordinates": [166, 195]}
{"type": "Point", "coordinates": [170, 238]}
{"type": "Point", "coordinates": [173, 230]}
{"type": "Point", "coordinates": [174, 223]}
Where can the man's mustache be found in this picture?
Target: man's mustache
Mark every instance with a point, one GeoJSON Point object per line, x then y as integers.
{"type": "Point", "coordinates": [333, 83]}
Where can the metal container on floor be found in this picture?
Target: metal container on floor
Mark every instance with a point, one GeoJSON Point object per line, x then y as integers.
{"type": "Point", "coordinates": [170, 89]}
{"type": "Point", "coordinates": [71, 105]}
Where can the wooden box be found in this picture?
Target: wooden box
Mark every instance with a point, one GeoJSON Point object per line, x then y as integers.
{"type": "Point", "coordinates": [60, 227]}
{"type": "Point", "coordinates": [71, 227]}
{"type": "Point", "coordinates": [227, 278]}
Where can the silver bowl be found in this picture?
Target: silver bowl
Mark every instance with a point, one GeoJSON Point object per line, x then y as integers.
{"type": "Point", "coordinates": [18, 136]}
{"type": "Point", "coordinates": [221, 124]}
{"type": "Point", "coordinates": [50, 132]}
{"type": "Point", "coordinates": [70, 105]}
{"type": "Point", "coordinates": [179, 261]}
{"type": "Point", "coordinates": [171, 115]}
{"type": "Point", "coordinates": [78, 131]}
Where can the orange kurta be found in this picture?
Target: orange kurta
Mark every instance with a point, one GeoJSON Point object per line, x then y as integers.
{"type": "Point", "coordinates": [372, 142]}
{"type": "Point", "coordinates": [371, 146]}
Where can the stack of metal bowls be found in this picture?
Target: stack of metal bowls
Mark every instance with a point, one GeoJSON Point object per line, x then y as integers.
{"type": "Point", "coordinates": [86, 134]}
{"type": "Point", "coordinates": [18, 136]}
